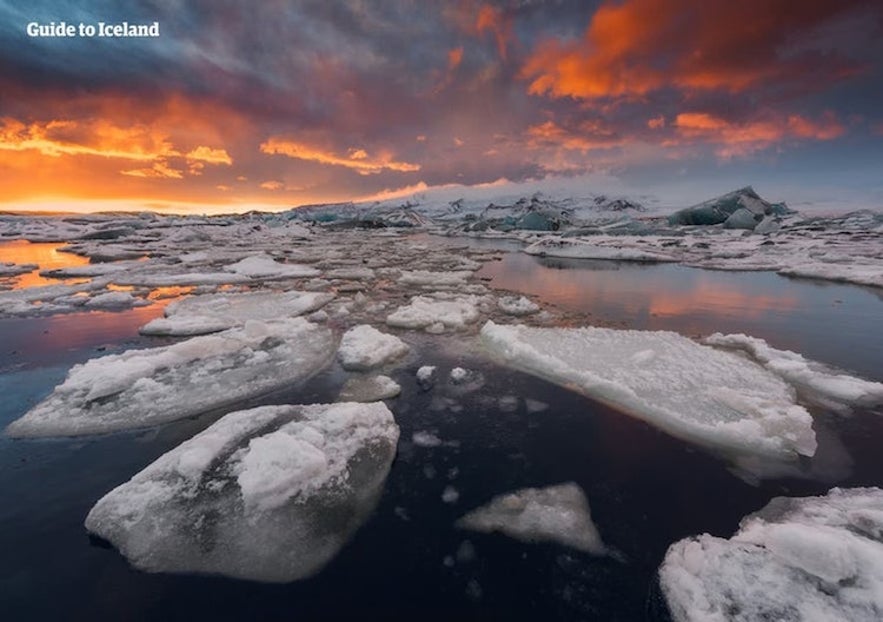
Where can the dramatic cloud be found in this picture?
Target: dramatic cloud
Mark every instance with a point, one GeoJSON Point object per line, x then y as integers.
{"type": "Point", "coordinates": [370, 99]}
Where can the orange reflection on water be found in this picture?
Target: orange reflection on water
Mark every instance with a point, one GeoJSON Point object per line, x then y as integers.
{"type": "Point", "coordinates": [169, 293]}
{"type": "Point", "coordinates": [718, 297]}
{"type": "Point", "coordinates": [45, 254]}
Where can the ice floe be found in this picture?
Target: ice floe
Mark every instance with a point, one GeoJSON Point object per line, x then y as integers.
{"type": "Point", "coordinates": [9, 268]}
{"type": "Point", "coordinates": [517, 305]}
{"type": "Point", "coordinates": [264, 266]}
{"type": "Point", "coordinates": [557, 514]}
{"type": "Point", "coordinates": [140, 388]}
{"type": "Point", "coordinates": [269, 494]}
{"type": "Point", "coordinates": [364, 347]}
{"type": "Point", "coordinates": [576, 248]}
{"type": "Point", "coordinates": [696, 392]}
{"type": "Point", "coordinates": [369, 389]}
{"type": "Point", "coordinates": [812, 558]}
{"type": "Point", "coordinates": [199, 315]}
{"type": "Point", "coordinates": [815, 377]}
{"type": "Point", "coordinates": [436, 315]}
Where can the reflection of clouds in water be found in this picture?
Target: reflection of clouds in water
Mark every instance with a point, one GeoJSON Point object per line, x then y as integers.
{"type": "Point", "coordinates": [45, 254]}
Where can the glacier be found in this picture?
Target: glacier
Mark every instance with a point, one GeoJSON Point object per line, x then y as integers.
{"type": "Point", "coordinates": [269, 494]}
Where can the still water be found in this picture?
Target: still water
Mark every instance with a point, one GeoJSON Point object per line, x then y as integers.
{"type": "Point", "coordinates": [645, 489]}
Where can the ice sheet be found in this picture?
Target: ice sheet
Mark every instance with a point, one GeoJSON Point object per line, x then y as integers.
{"type": "Point", "coordinates": [364, 347]}
{"type": "Point", "coordinates": [698, 393]}
{"type": "Point", "coordinates": [268, 494]}
{"type": "Point", "coordinates": [141, 388]}
{"type": "Point", "coordinates": [199, 315]}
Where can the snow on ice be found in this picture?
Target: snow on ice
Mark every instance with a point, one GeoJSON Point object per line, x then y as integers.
{"type": "Point", "coordinates": [141, 388]}
{"type": "Point", "coordinates": [364, 347]}
{"type": "Point", "coordinates": [557, 514]}
{"type": "Point", "coordinates": [199, 315]}
{"type": "Point", "coordinates": [269, 494]}
{"type": "Point", "coordinates": [812, 558]}
{"type": "Point", "coordinates": [698, 393]}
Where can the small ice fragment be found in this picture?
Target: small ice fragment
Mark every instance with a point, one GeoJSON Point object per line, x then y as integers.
{"type": "Point", "coordinates": [534, 406]}
{"type": "Point", "coordinates": [364, 347]}
{"type": "Point", "coordinates": [425, 439]}
{"type": "Point", "coordinates": [508, 403]}
{"type": "Point", "coordinates": [553, 514]}
{"type": "Point", "coordinates": [450, 494]}
{"type": "Point", "coordinates": [517, 305]}
{"type": "Point", "coordinates": [369, 389]}
{"type": "Point", "coordinates": [459, 375]}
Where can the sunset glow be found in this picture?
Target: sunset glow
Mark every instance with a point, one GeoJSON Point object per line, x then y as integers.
{"type": "Point", "coordinates": [254, 107]}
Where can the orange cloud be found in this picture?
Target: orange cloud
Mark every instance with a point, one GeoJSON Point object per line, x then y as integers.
{"type": "Point", "coordinates": [741, 139]}
{"type": "Point", "coordinates": [587, 136]}
{"type": "Point", "coordinates": [158, 170]}
{"type": "Point", "coordinates": [656, 122]}
{"type": "Point", "coordinates": [491, 19]}
{"type": "Point", "coordinates": [634, 47]}
{"type": "Point", "coordinates": [212, 156]}
{"type": "Point", "coordinates": [355, 159]}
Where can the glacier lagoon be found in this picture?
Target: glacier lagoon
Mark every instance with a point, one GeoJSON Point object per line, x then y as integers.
{"type": "Point", "coordinates": [494, 432]}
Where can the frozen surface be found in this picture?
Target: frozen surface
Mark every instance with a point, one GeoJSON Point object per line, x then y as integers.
{"type": "Point", "coordinates": [369, 389]}
{"type": "Point", "coordinates": [813, 558]}
{"type": "Point", "coordinates": [140, 388]}
{"type": "Point", "coordinates": [364, 347]}
{"type": "Point", "coordinates": [427, 312]}
{"type": "Point", "coordinates": [576, 248]}
{"type": "Point", "coordinates": [802, 372]}
{"type": "Point", "coordinates": [696, 392]}
{"type": "Point", "coordinates": [264, 266]}
{"type": "Point", "coordinates": [517, 305]}
{"type": "Point", "coordinates": [268, 494]}
{"type": "Point", "coordinates": [424, 278]}
{"type": "Point", "coordinates": [199, 315]}
{"type": "Point", "coordinates": [557, 514]}
{"type": "Point", "coordinates": [8, 268]}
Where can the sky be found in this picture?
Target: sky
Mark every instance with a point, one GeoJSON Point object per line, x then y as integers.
{"type": "Point", "coordinates": [269, 105]}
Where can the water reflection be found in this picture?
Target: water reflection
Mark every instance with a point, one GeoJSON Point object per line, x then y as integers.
{"type": "Point", "coordinates": [790, 314]}
{"type": "Point", "coordinates": [45, 254]}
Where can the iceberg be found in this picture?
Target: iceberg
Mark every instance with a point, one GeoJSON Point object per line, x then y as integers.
{"type": "Point", "coordinates": [813, 558]}
{"type": "Point", "coordinates": [695, 392]}
{"type": "Point", "coordinates": [435, 315]}
{"type": "Point", "coordinates": [200, 315]}
{"type": "Point", "coordinates": [268, 494]}
{"type": "Point", "coordinates": [557, 514]}
{"type": "Point", "coordinates": [720, 209]}
{"type": "Point", "coordinates": [364, 347]}
{"type": "Point", "coordinates": [140, 388]}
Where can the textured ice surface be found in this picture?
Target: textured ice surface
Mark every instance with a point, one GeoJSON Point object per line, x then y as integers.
{"type": "Point", "coordinates": [692, 391]}
{"type": "Point", "coordinates": [364, 347]}
{"type": "Point", "coordinates": [553, 514]}
{"type": "Point", "coordinates": [140, 388]}
{"type": "Point", "coordinates": [369, 389]}
{"type": "Point", "coordinates": [8, 268]}
{"type": "Point", "coordinates": [268, 494]}
{"type": "Point", "coordinates": [264, 266]}
{"type": "Point", "coordinates": [517, 305]}
{"type": "Point", "coordinates": [199, 315]}
{"type": "Point", "coordinates": [581, 249]}
{"type": "Point", "coordinates": [803, 372]}
{"type": "Point", "coordinates": [424, 278]}
{"type": "Point", "coordinates": [114, 300]}
{"type": "Point", "coordinates": [426, 312]}
{"type": "Point", "coordinates": [813, 558]}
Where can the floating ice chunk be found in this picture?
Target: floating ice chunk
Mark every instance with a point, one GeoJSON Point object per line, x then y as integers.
{"type": "Point", "coordinates": [115, 300]}
{"type": "Point", "coordinates": [698, 393]}
{"type": "Point", "coordinates": [517, 305]}
{"type": "Point", "coordinates": [813, 558]}
{"type": "Point", "coordinates": [508, 403]}
{"type": "Point", "coordinates": [423, 438]}
{"type": "Point", "coordinates": [424, 312]}
{"type": "Point", "coordinates": [15, 269]}
{"type": "Point", "coordinates": [364, 347]}
{"type": "Point", "coordinates": [268, 494]}
{"type": "Point", "coordinates": [89, 270]}
{"type": "Point", "coordinates": [356, 272]}
{"type": "Point", "coordinates": [553, 514]}
{"type": "Point", "coordinates": [425, 373]}
{"type": "Point", "coordinates": [459, 375]}
{"type": "Point", "coordinates": [369, 389]}
{"type": "Point", "coordinates": [149, 279]}
{"type": "Point", "coordinates": [852, 272]}
{"type": "Point", "coordinates": [580, 249]}
{"type": "Point", "coordinates": [425, 278]}
{"type": "Point", "coordinates": [199, 315]}
{"type": "Point", "coordinates": [534, 406]}
{"type": "Point", "coordinates": [450, 494]}
{"type": "Point", "coordinates": [803, 372]}
{"type": "Point", "coordinates": [140, 388]}
{"type": "Point", "coordinates": [264, 266]}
